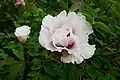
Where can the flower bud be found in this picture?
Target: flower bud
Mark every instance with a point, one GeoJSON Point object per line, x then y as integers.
{"type": "Point", "coordinates": [22, 33]}
{"type": "Point", "coordinates": [20, 3]}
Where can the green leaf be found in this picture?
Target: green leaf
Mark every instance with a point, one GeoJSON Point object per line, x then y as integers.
{"type": "Point", "coordinates": [49, 70]}
{"type": "Point", "coordinates": [92, 72]}
{"type": "Point", "coordinates": [17, 49]}
{"type": "Point", "coordinates": [15, 71]}
{"type": "Point", "coordinates": [33, 52]}
{"type": "Point", "coordinates": [32, 73]}
{"type": "Point", "coordinates": [19, 53]}
{"type": "Point", "coordinates": [113, 77]}
{"type": "Point", "coordinates": [89, 18]}
{"type": "Point", "coordinates": [64, 4]}
{"type": "Point", "coordinates": [105, 60]}
{"type": "Point", "coordinates": [35, 78]}
{"type": "Point", "coordinates": [95, 63]}
{"type": "Point", "coordinates": [46, 77]}
{"type": "Point", "coordinates": [71, 73]}
{"type": "Point", "coordinates": [3, 55]}
{"type": "Point", "coordinates": [11, 45]}
{"type": "Point", "coordinates": [106, 77]}
{"type": "Point", "coordinates": [36, 64]}
{"type": "Point", "coordinates": [101, 26]}
{"type": "Point", "coordinates": [2, 35]}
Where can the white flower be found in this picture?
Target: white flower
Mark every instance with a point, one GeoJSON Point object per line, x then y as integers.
{"type": "Point", "coordinates": [67, 33]}
{"type": "Point", "coordinates": [22, 33]}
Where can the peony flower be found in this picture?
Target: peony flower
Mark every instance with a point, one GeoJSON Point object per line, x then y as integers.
{"type": "Point", "coordinates": [20, 3]}
{"type": "Point", "coordinates": [22, 33]}
{"type": "Point", "coordinates": [67, 33]}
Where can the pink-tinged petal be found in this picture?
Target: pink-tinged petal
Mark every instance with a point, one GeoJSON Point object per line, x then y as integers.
{"type": "Point", "coordinates": [70, 43]}
{"type": "Point", "coordinates": [67, 33]}
{"type": "Point", "coordinates": [80, 26]}
{"type": "Point", "coordinates": [74, 53]}
{"type": "Point", "coordinates": [59, 35]}
{"type": "Point", "coordinates": [48, 21]}
{"type": "Point", "coordinates": [45, 39]}
{"type": "Point", "coordinates": [20, 3]}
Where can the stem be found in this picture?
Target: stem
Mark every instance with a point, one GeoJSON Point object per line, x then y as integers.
{"type": "Point", "coordinates": [82, 4]}
{"type": "Point", "coordinates": [27, 63]}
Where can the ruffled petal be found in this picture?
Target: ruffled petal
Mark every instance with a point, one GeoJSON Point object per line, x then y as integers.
{"type": "Point", "coordinates": [67, 32]}
{"type": "Point", "coordinates": [48, 21]}
{"type": "Point", "coordinates": [62, 14]}
{"type": "Point", "coordinates": [74, 52]}
{"type": "Point", "coordinates": [59, 21]}
{"type": "Point", "coordinates": [22, 31]}
{"type": "Point", "coordinates": [80, 26]}
{"type": "Point", "coordinates": [45, 39]}
{"type": "Point", "coordinates": [72, 58]}
{"type": "Point", "coordinates": [87, 50]}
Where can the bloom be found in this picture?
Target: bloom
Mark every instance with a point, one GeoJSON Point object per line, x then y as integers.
{"type": "Point", "coordinates": [22, 33]}
{"type": "Point", "coordinates": [20, 3]}
{"type": "Point", "coordinates": [67, 33]}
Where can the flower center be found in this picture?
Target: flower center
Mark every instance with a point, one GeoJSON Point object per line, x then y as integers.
{"type": "Point", "coordinates": [70, 45]}
{"type": "Point", "coordinates": [63, 38]}
{"type": "Point", "coordinates": [67, 42]}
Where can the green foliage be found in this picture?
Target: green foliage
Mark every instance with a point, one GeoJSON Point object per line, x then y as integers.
{"type": "Point", "coordinates": [30, 61]}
